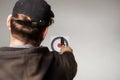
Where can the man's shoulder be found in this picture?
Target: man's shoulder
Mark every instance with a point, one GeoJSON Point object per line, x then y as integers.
{"type": "Point", "coordinates": [21, 48]}
{"type": "Point", "coordinates": [9, 49]}
{"type": "Point", "coordinates": [33, 50]}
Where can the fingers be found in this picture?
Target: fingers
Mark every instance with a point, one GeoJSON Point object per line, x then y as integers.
{"type": "Point", "coordinates": [65, 49]}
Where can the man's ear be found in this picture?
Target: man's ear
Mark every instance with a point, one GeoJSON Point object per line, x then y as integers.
{"type": "Point", "coordinates": [9, 19]}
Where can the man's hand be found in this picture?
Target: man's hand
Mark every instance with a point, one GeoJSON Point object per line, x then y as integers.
{"type": "Point", "coordinates": [65, 49]}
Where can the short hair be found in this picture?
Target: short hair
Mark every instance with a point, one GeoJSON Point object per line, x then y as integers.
{"type": "Point", "coordinates": [27, 33]}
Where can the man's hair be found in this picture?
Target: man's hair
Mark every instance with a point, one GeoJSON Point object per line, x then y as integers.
{"type": "Point", "coordinates": [29, 19]}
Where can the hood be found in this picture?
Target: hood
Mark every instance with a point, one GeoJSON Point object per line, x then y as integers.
{"type": "Point", "coordinates": [24, 63]}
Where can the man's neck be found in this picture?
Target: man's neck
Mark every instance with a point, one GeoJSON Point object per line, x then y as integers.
{"type": "Point", "coordinates": [16, 42]}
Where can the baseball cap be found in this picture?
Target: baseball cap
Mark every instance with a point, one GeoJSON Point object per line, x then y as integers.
{"type": "Point", "coordinates": [37, 10]}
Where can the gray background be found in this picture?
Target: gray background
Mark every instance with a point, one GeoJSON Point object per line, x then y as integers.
{"type": "Point", "coordinates": [93, 27]}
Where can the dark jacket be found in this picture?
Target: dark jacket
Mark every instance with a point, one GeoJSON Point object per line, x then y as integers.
{"type": "Point", "coordinates": [36, 64]}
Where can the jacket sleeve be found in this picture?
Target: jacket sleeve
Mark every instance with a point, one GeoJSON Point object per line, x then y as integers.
{"type": "Point", "coordinates": [68, 63]}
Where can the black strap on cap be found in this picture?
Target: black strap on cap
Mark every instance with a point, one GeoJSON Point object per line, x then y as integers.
{"type": "Point", "coordinates": [28, 23]}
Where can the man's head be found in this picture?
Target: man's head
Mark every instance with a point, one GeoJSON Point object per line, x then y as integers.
{"type": "Point", "coordinates": [29, 20]}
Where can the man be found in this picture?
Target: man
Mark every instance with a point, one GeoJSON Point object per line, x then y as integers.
{"type": "Point", "coordinates": [24, 59]}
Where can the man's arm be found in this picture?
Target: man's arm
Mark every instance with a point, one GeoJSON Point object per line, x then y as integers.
{"type": "Point", "coordinates": [69, 61]}
{"type": "Point", "coordinates": [65, 62]}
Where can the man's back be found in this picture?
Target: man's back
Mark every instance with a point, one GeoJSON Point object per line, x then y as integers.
{"type": "Point", "coordinates": [36, 63]}
{"type": "Point", "coordinates": [28, 27]}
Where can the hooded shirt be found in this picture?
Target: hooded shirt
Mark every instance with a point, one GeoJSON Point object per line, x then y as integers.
{"type": "Point", "coordinates": [36, 63]}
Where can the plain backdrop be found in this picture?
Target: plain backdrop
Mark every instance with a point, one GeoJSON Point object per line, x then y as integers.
{"type": "Point", "coordinates": [93, 27]}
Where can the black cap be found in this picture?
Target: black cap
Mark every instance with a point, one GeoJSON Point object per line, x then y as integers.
{"type": "Point", "coordinates": [37, 10]}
